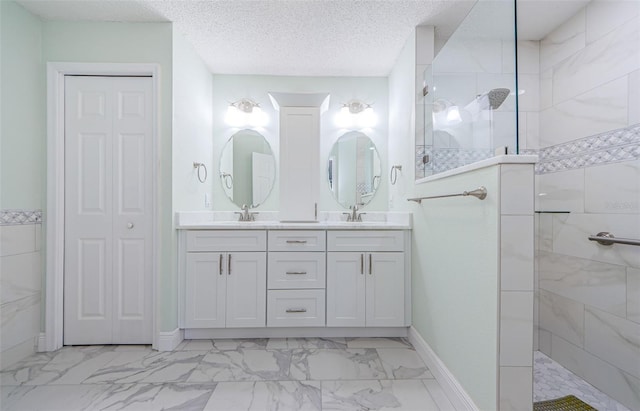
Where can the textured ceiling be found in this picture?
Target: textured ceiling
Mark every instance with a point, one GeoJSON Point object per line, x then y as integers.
{"type": "Point", "coordinates": [279, 37]}
{"type": "Point", "coordinates": [303, 37]}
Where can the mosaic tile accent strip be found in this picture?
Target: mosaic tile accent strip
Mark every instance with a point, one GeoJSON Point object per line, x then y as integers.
{"type": "Point", "coordinates": [16, 217]}
{"type": "Point", "coordinates": [610, 147]}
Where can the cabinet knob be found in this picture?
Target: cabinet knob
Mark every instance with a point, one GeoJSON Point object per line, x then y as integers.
{"type": "Point", "coordinates": [130, 225]}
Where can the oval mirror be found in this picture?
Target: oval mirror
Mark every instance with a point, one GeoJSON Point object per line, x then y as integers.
{"type": "Point", "coordinates": [353, 169]}
{"type": "Point", "coordinates": [247, 168]}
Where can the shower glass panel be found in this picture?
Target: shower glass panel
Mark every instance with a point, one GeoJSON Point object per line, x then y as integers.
{"type": "Point", "coordinates": [471, 106]}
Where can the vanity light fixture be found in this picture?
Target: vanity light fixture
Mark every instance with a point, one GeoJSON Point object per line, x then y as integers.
{"type": "Point", "coordinates": [356, 115]}
{"type": "Point", "coordinates": [245, 112]}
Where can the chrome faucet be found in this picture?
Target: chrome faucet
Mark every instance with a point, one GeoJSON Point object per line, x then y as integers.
{"type": "Point", "coordinates": [245, 215]}
{"type": "Point", "coordinates": [354, 215]}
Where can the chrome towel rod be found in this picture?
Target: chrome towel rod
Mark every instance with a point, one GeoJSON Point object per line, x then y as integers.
{"type": "Point", "coordinates": [606, 238]}
{"type": "Point", "coordinates": [480, 193]}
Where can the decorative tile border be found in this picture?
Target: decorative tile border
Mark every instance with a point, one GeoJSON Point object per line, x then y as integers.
{"type": "Point", "coordinates": [610, 147]}
{"type": "Point", "coordinates": [443, 159]}
{"type": "Point", "coordinates": [16, 217]}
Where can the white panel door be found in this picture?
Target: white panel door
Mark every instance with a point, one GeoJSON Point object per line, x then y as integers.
{"type": "Point", "coordinates": [205, 288]}
{"type": "Point", "coordinates": [346, 289]}
{"type": "Point", "coordinates": [108, 210]}
{"type": "Point", "coordinates": [246, 289]}
{"type": "Point", "coordinates": [385, 289]}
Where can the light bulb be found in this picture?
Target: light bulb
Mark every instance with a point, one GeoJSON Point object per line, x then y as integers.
{"type": "Point", "coordinates": [367, 118]}
{"type": "Point", "coordinates": [344, 119]}
{"type": "Point", "coordinates": [234, 117]}
{"type": "Point", "coordinates": [258, 118]}
{"type": "Point", "coordinates": [453, 115]}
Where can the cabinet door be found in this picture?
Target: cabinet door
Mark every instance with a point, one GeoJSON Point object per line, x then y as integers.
{"type": "Point", "coordinates": [205, 285]}
{"type": "Point", "coordinates": [246, 289]}
{"type": "Point", "coordinates": [385, 289]}
{"type": "Point", "coordinates": [299, 163]}
{"type": "Point", "coordinates": [345, 289]}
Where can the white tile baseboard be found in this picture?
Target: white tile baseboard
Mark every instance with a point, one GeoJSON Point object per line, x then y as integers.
{"type": "Point", "coordinates": [169, 340]}
{"type": "Point", "coordinates": [457, 395]}
{"type": "Point", "coordinates": [42, 342]}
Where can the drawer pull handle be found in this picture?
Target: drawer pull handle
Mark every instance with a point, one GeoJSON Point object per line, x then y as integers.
{"type": "Point", "coordinates": [229, 265]}
{"type": "Point", "coordinates": [220, 266]}
{"type": "Point", "coordinates": [296, 310]}
{"type": "Point", "coordinates": [296, 241]}
{"type": "Point", "coordinates": [296, 272]}
{"type": "Point", "coordinates": [361, 263]}
{"type": "Point", "coordinates": [370, 265]}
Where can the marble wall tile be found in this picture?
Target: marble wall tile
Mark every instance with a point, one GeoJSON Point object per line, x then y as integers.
{"type": "Point", "coordinates": [570, 233]}
{"type": "Point", "coordinates": [19, 321]}
{"type": "Point", "coordinates": [544, 341]}
{"type": "Point", "coordinates": [598, 110]}
{"type": "Point", "coordinates": [471, 56]}
{"type": "Point", "coordinates": [516, 182]}
{"type": "Point", "coordinates": [563, 42]}
{"type": "Point", "coordinates": [590, 282]}
{"type": "Point", "coordinates": [516, 388]}
{"type": "Point", "coordinates": [608, 58]}
{"type": "Point", "coordinates": [613, 339]}
{"type": "Point", "coordinates": [602, 375]}
{"type": "Point", "coordinates": [613, 188]}
{"type": "Point", "coordinates": [516, 252]}
{"type": "Point", "coordinates": [516, 328]}
{"type": "Point", "coordinates": [634, 98]}
{"type": "Point", "coordinates": [532, 131]}
{"type": "Point", "coordinates": [561, 191]}
{"type": "Point", "coordinates": [502, 132]}
{"type": "Point", "coordinates": [20, 276]}
{"type": "Point", "coordinates": [604, 16]}
{"type": "Point", "coordinates": [457, 88]}
{"type": "Point", "coordinates": [266, 396]}
{"type": "Point", "coordinates": [17, 239]}
{"type": "Point", "coordinates": [528, 57]}
{"type": "Point", "coordinates": [546, 89]}
{"type": "Point", "coordinates": [545, 232]}
{"type": "Point", "coordinates": [562, 316]}
{"type": "Point", "coordinates": [529, 87]}
{"type": "Point", "coordinates": [633, 294]}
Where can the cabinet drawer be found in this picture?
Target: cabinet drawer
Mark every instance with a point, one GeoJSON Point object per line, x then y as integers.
{"type": "Point", "coordinates": [293, 240]}
{"type": "Point", "coordinates": [365, 241]}
{"type": "Point", "coordinates": [226, 240]}
{"type": "Point", "coordinates": [289, 270]}
{"type": "Point", "coordinates": [295, 308]}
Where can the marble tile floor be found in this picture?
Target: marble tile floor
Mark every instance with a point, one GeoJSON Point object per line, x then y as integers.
{"type": "Point", "coordinates": [551, 380]}
{"type": "Point", "coordinates": [253, 374]}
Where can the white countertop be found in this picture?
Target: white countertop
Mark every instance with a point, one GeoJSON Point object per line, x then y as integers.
{"type": "Point", "coordinates": [227, 220]}
{"type": "Point", "coordinates": [492, 161]}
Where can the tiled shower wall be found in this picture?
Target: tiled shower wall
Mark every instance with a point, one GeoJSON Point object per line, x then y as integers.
{"type": "Point", "coordinates": [20, 283]}
{"type": "Point", "coordinates": [587, 134]}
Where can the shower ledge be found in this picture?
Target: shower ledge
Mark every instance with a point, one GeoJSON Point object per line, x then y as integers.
{"type": "Point", "coordinates": [503, 159]}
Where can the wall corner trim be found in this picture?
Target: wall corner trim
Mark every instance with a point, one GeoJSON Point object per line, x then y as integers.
{"type": "Point", "coordinates": [456, 394]}
{"type": "Point", "coordinates": [169, 340]}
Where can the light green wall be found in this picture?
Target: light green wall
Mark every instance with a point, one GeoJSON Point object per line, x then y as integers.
{"type": "Point", "coordinates": [133, 43]}
{"type": "Point", "coordinates": [23, 118]}
{"type": "Point", "coordinates": [454, 248]}
{"type": "Point", "coordinates": [192, 126]}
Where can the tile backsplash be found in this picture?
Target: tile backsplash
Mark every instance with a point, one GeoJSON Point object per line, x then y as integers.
{"type": "Point", "coordinates": [14, 217]}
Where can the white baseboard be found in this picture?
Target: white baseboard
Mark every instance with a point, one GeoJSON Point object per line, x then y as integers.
{"type": "Point", "coordinates": [457, 395]}
{"type": "Point", "coordinates": [169, 340]}
{"type": "Point", "coordinates": [293, 332]}
{"type": "Point", "coordinates": [42, 342]}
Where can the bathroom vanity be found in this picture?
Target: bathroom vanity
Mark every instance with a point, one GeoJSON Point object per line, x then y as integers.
{"type": "Point", "coordinates": [273, 279]}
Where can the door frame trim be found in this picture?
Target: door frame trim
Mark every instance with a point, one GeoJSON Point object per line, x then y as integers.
{"type": "Point", "coordinates": [54, 220]}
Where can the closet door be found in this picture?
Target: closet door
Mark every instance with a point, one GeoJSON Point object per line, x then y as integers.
{"type": "Point", "coordinates": [108, 210]}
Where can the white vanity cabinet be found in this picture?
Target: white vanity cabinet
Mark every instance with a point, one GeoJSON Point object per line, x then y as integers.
{"type": "Point", "coordinates": [225, 279]}
{"type": "Point", "coordinates": [365, 279]}
{"type": "Point", "coordinates": [296, 278]}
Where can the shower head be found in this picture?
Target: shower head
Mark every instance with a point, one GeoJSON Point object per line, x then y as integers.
{"type": "Point", "coordinates": [497, 96]}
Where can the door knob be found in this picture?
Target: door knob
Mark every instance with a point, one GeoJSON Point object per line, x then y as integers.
{"type": "Point", "coordinates": [129, 226]}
